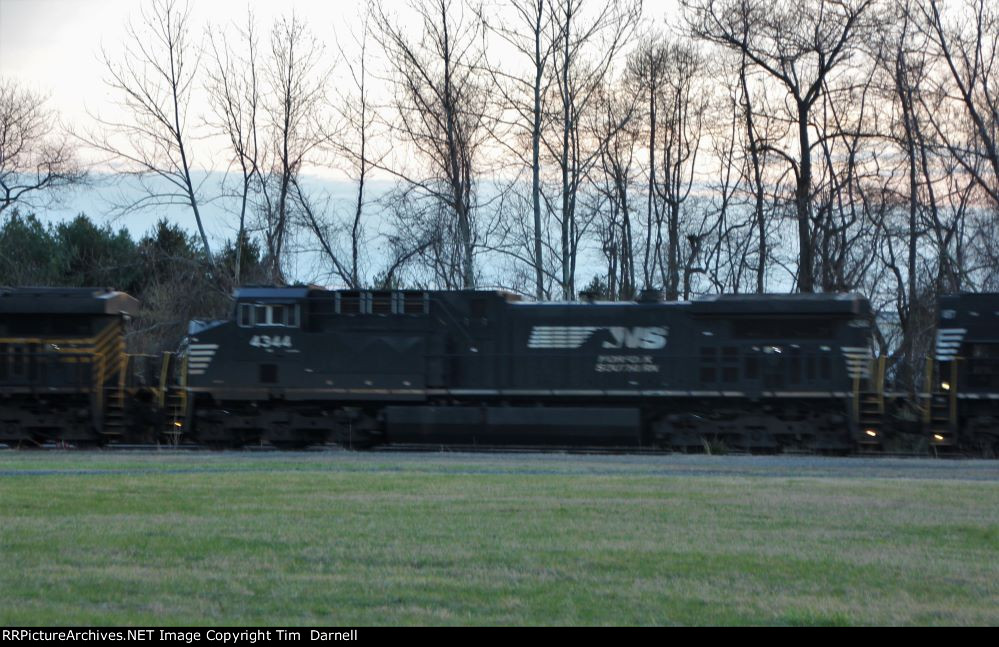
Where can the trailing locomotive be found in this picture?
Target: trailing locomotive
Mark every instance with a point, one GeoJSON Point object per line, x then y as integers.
{"type": "Point", "coordinates": [961, 407]}
{"type": "Point", "coordinates": [63, 366]}
{"type": "Point", "coordinates": [302, 365]}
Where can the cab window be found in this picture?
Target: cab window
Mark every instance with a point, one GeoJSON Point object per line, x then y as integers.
{"type": "Point", "coordinates": [268, 314]}
{"type": "Point", "coordinates": [245, 315]}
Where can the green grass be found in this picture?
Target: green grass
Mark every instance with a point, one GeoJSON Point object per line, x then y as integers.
{"type": "Point", "coordinates": [357, 539]}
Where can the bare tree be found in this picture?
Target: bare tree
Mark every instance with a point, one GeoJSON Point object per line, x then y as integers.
{"type": "Point", "coordinates": [533, 38]}
{"type": "Point", "coordinates": [967, 43]}
{"type": "Point", "coordinates": [757, 160]}
{"type": "Point", "coordinates": [798, 44]}
{"type": "Point", "coordinates": [647, 69]}
{"type": "Point", "coordinates": [615, 124]}
{"type": "Point", "coordinates": [727, 246]}
{"type": "Point", "coordinates": [352, 142]}
{"type": "Point", "coordinates": [845, 122]}
{"type": "Point", "coordinates": [234, 94]}
{"type": "Point", "coordinates": [439, 101]}
{"type": "Point", "coordinates": [37, 161]}
{"type": "Point", "coordinates": [902, 59]}
{"type": "Point", "coordinates": [681, 118]}
{"type": "Point", "coordinates": [587, 45]}
{"type": "Point", "coordinates": [297, 82]}
{"type": "Point", "coordinates": [153, 78]}
{"type": "Point", "coordinates": [314, 217]}
{"type": "Point", "coordinates": [985, 234]}
{"type": "Point", "coordinates": [906, 77]}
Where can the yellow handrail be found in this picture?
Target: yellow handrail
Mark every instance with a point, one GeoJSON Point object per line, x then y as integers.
{"type": "Point", "coordinates": [85, 341]}
{"type": "Point", "coordinates": [164, 373]}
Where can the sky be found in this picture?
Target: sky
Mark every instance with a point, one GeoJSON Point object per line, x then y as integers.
{"type": "Point", "coordinates": [56, 44]}
{"type": "Point", "coordinates": [54, 47]}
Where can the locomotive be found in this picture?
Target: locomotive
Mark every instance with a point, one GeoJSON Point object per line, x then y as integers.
{"type": "Point", "coordinates": [297, 366]}
{"type": "Point", "coordinates": [961, 405]}
{"type": "Point", "coordinates": [63, 366]}
{"type": "Point", "coordinates": [302, 365]}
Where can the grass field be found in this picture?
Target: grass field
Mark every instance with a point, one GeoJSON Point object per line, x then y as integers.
{"type": "Point", "coordinates": [338, 538]}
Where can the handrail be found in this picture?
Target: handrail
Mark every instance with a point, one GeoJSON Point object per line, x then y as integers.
{"type": "Point", "coordinates": [99, 387]}
{"type": "Point", "coordinates": [164, 373]}
{"type": "Point", "coordinates": [856, 398]}
{"type": "Point", "coordinates": [880, 386]}
{"type": "Point", "coordinates": [81, 341]}
{"type": "Point", "coordinates": [123, 360]}
{"type": "Point", "coordinates": [952, 413]}
{"type": "Point", "coordinates": [928, 392]}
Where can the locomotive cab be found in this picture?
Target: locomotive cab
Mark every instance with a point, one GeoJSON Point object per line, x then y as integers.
{"type": "Point", "coordinates": [293, 360]}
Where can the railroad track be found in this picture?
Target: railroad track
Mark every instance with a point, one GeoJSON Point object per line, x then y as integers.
{"type": "Point", "coordinates": [458, 449]}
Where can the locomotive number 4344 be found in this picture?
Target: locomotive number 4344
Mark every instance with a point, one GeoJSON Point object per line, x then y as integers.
{"type": "Point", "coordinates": [271, 341]}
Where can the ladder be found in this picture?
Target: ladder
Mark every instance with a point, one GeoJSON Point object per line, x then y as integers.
{"type": "Point", "coordinates": [112, 374]}
{"type": "Point", "coordinates": [869, 403]}
{"type": "Point", "coordinates": [173, 399]}
{"type": "Point", "coordinates": [940, 403]}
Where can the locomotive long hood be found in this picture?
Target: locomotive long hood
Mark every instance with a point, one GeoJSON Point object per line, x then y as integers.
{"type": "Point", "coordinates": [766, 304]}
{"type": "Point", "coordinates": [68, 301]}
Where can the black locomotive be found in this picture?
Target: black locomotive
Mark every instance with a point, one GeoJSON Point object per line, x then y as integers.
{"type": "Point", "coordinates": [961, 407]}
{"type": "Point", "coordinates": [305, 365]}
{"type": "Point", "coordinates": [297, 366]}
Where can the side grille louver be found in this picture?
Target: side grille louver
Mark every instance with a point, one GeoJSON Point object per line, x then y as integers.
{"type": "Point", "coordinates": [949, 342]}
{"type": "Point", "coordinates": [559, 336]}
{"type": "Point", "coordinates": [199, 357]}
{"type": "Point", "coordinates": [858, 361]}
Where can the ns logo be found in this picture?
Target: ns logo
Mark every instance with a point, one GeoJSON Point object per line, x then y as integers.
{"type": "Point", "coordinates": [648, 338]}
{"type": "Point", "coordinates": [638, 337]}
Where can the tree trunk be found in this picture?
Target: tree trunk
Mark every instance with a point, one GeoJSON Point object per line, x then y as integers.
{"type": "Point", "coordinates": [567, 214]}
{"type": "Point", "coordinates": [539, 277]}
{"type": "Point", "coordinates": [803, 204]}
